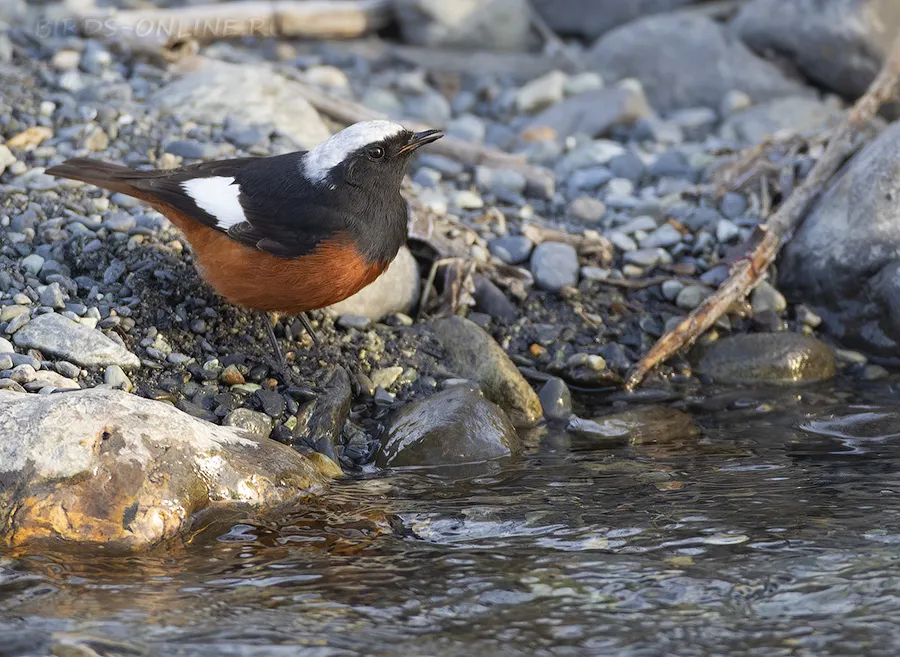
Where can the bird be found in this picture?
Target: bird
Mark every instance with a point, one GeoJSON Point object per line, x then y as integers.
{"type": "Point", "coordinates": [283, 234]}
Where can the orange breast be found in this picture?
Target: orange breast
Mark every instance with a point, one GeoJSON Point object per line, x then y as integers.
{"type": "Point", "coordinates": [254, 279]}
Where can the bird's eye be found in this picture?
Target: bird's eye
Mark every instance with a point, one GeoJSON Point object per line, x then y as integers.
{"type": "Point", "coordinates": [376, 152]}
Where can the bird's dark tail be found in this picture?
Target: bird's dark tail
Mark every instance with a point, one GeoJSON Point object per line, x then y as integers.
{"type": "Point", "coordinates": [113, 177]}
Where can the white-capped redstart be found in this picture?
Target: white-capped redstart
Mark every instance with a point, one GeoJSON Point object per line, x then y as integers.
{"type": "Point", "coordinates": [288, 233]}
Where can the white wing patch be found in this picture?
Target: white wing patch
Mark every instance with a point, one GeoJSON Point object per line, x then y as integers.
{"type": "Point", "coordinates": [219, 197]}
{"type": "Point", "coordinates": [327, 155]}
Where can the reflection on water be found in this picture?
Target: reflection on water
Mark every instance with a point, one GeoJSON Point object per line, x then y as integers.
{"type": "Point", "coordinates": [774, 530]}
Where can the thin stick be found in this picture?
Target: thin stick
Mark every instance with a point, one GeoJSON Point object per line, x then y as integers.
{"type": "Point", "coordinates": [747, 272]}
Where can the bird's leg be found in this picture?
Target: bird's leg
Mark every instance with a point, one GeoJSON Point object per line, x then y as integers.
{"type": "Point", "coordinates": [281, 362]}
{"type": "Point", "coordinates": [309, 329]}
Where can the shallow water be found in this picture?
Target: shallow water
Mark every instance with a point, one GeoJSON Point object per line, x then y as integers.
{"type": "Point", "coordinates": [774, 531]}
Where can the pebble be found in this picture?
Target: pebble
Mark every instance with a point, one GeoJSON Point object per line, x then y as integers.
{"type": "Point", "coordinates": [120, 222]}
{"type": "Point", "coordinates": [427, 177]}
{"type": "Point", "coordinates": [67, 369]}
{"type": "Point", "coordinates": [586, 209]}
{"type": "Point", "coordinates": [52, 296]}
{"type": "Point", "coordinates": [6, 362]}
{"type": "Point", "coordinates": [231, 376]}
{"type": "Point", "coordinates": [595, 273]}
{"type": "Point", "coordinates": [466, 127]}
{"type": "Point", "coordinates": [591, 361]}
{"type": "Point", "coordinates": [621, 241]}
{"type": "Point", "coordinates": [466, 199]}
{"type": "Point", "coordinates": [358, 322]}
{"type": "Point", "coordinates": [541, 92]}
{"type": "Point", "coordinates": [16, 323]}
{"type": "Point", "coordinates": [191, 150]}
{"type": "Point", "coordinates": [664, 236]}
{"type": "Point", "coordinates": [22, 374]}
{"type": "Point", "coordinates": [272, 403]}
{"type": "Point", "coordinates": [386, 376]}
{"type": "Point", "coordinates": [734, 101]}
{"type": "Point", "coordinates": [670, 289]}
{"type": "Point", "coordinates": [581, 82]}
{"type": "Point", "coordinates": [496, 181]}
{"type": "Point", "coordinates": [766, 298]}
{"type": "Point", "coordinates": [556, 400]}
{"type": "Point", "coordinates": [628, 166]}
{"type": "Point", "coordinates": [258, 425]}
{"type": "Point", "coordinates": [56, 335]}
{"type": "Point", "coordinates": [115, 377]}
{"type": "Point", "coordinates": [33, 263]}
{"type": "Point", "coordinates": [673, 164]}
{"type": "Point", "coordinates": [620, 187]}
{"type": "Point", "coordinates": [804, 316]}
{"type": "Point", "coordinates": [692, 296]}
{"type": "Point", "coordinates": [647, 257]}
{"type": "Point", "coordinates": [554, 266]}
{"type": "Point", "coordinates": [590, 178]}
{"type": "Point", "coordinates": [727, 231]}
{"type": "Point", "coordinates": [733, 205]}
{"type": "Point", "coordinates": [511, 250]}
{"type": "Point", "coordinates": [6, 347]}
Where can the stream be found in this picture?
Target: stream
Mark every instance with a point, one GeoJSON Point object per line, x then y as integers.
{"type": "Point", "coordinates": [774, 530]}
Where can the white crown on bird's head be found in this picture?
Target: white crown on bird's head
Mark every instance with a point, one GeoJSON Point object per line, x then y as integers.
{"type": "Point", "coordinates": [319, 161]}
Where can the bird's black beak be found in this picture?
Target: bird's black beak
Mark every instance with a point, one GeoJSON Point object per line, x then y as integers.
{"type": "Point", "coordinates": [419, 139]}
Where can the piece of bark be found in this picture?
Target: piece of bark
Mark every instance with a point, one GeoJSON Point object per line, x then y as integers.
{"type": "Point", "coordinates": [150, 30]}
{"type": "Point", "coordinates": [748, 272]}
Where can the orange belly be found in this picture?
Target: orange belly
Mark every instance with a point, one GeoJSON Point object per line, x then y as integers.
{"type": "Point", "coordinates": [255, 279]}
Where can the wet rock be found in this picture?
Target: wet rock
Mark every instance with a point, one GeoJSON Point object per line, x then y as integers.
{"type": "Point", "coordinates": [592, 113]}
{"type": "Point", "coordinates": [453, 427]}
{"type": "Point", "coordinates": [243, 93]}
{"type": "Point", "coordinates": [556, 400]}
{"type": "Point", "coordinates": [554, 266]}
{"type": "Point", "coordinates": [637, 426]}
{"type": "Point", "coordinates": [256, 424]}
{"type": "Point", "coordinates": [801, 114]}
{"type": "Point", "coordinates": [475, 355]}
{"type": "Point", "coordinates": [700, 63]}
{"type": "Point", "coordinates": [482, 24]}
{"type": "Point", "coordinates": [395, 291]}
{"type": "Point", "coordinates": [844, 260]}
{"type": "Point", "coordinates": [56, 335]}
{"type": "Point", "coordinates": [780, 358]}
{"type": "Point", "coordinates": [591, 19]}
{"type": "Point", "coordinates": [320, 421]}
{"type": "Point", "coordinates": [839, 44]}
{"type": "Point", "coordinates": [84, 469]}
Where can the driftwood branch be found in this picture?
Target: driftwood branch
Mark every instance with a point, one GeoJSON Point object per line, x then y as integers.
{"type": "Point", "coordinates": [159, 29]}
{"type": "Point", "coordinates": [540, 181]}
{"type": "Point", "coordinates": [747, 272]}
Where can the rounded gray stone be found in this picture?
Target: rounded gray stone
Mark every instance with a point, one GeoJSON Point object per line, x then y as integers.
{"type": "Point", "coordinates": [554, 266]}
{"type": "Point", "coordinates": [453, 427]}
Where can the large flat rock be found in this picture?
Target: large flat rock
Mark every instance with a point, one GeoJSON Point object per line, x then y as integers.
{"type": "Point", "coordinates": [105, 467]}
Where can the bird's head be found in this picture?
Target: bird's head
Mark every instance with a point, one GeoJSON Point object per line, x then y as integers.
{"type": "Point", "coordinates": [370, 155]}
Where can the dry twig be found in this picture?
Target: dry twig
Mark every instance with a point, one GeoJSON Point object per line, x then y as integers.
{"type": "Point", "coordinates": [747, 272]}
